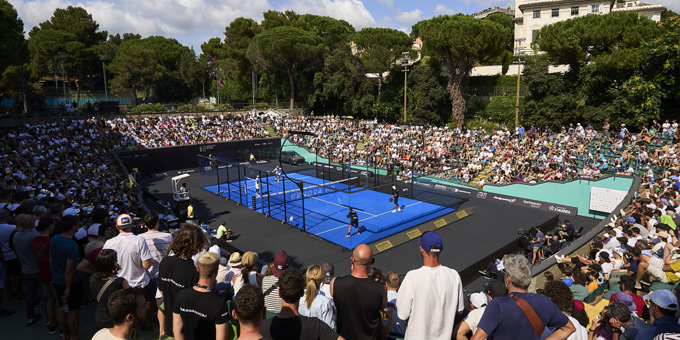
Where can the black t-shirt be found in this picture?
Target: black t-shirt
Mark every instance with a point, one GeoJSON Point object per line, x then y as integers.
{"type": "Point", "coordinates": [174, 274]}
{"type": "Point", "coordinates": [101, 317]}
{"type": "Point", "coordinates": [359, 302]}
{"type": "Point", "coordinates": [200, 312]}
{"type": "Point", "coordinates": [300, 327]}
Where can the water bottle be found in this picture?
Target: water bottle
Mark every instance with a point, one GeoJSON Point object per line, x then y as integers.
{"type": "Point", "coordinates": [64, 305]}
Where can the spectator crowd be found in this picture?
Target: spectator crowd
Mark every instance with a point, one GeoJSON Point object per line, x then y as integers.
{"type": "Point", "coordinates": [70, 239]}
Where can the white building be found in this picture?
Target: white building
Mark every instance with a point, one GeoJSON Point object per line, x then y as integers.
{"type": "Point", "coordinates": [532, 15]}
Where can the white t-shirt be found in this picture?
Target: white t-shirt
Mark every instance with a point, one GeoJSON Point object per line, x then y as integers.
{"type": "Point", "coordinates": [105, 334]}
{"type": "Point", "coordinates": [132, 250]}
{"type": "Point", "coordinates": [158, 243]}
{"type": "Point", "coordinates": [474, 317]}
{"type": "Point", "coordinates": [430, 298]}
{"type": "Point", "coordinates": [581, 332]}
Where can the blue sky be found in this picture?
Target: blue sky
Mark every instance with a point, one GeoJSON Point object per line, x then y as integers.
{"type": "Point", "coordinates": [193, 22]}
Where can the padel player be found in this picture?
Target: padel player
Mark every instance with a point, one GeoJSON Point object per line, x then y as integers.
{"type": "Point", "coordinates": [277, 173]}
{"type": "Point", "coordinates": [354, 221]}
{"type": "Point", "coordinates": [395, 199]}
{"type": "Point", "coordinates": [257, 185]}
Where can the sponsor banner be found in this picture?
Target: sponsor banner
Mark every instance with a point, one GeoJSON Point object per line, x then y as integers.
{"type": "Point", "coordinates": [528, 203]}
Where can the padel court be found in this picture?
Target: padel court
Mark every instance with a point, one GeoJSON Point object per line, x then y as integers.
{"type": "Point", "coordinates": [326, 206]}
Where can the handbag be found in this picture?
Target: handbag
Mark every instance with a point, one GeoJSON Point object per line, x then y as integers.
{"type": "Point", "coordinates": [529, 312]}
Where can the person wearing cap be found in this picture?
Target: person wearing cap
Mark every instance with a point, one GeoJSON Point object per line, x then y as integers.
{"type": "Point", "coordinates": [431, 296]}
{"type": "Point", "coordinates": [492, 290]}
{"type": "Point", "coordinates": [663, 306]}
{"type": "Point", "coordinates": [177, 271]}
{"type": "Point", "coordinates": [329, 273]}
{"type": "Point", "coordinates": [395, 199]}
{"type": "Point", "coordinates": [622, 316]}
{"type": "Point", "coordinates": [198, 313]}
{"type": "Point", "coordinates": [134, 259]}
{"type": "Point", "coordinates": [270, 286]}
{"type": "Point", "coordinates": [359, 299]}
{"type": "Point", "coordinates": [234, 264]}
{"type": "Point", "coordinates": [503, 317]}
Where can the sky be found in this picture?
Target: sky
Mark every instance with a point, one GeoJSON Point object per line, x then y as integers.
{"type": "Point", "coordinates": [193, 22]}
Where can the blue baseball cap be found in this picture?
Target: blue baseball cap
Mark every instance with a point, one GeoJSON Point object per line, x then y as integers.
{"type": "Point", "coordinates": [431, 241]}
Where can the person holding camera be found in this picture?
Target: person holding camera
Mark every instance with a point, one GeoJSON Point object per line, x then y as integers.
{"type": "Point", "coordinates": [538, 245]}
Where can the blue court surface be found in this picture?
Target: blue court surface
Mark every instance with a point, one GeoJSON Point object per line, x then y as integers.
{"type": "Point", "coordinates": [326, 209]}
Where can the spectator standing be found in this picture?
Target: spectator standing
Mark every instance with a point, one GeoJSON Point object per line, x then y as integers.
{"type": "Point", "coordinates": [270, 283]}
{"type": "Point", "coordinates": [359, 300]}
{"type": "Point", "coordinates": [288, 323]}
{"type": "Point", "coordinates": [177, 270]}
{"type": "Point", "coordinates": [329, 272]}
{"type": "Point", "coordinates": [538, 245]}
{"type": "Point", "coordinates": [314, 303]}
{"type": "Point", "coordinates": [66, 280]}
{"type": "Point", "coordinates": [105, 282]}
{"type": "Point", "coordinates": [563, 298]}
{"type": "Point", "coordinates": [248, 311]}
{"type": "Point", "coordinates": [158, 243]}
{"type": "Point", "coordinates": [29, 266]}
{"type": "Point", "coordinates": [248, 274]}
{"type": "Point", "coordinates": [505, 319]}
{"type": "Point", "coordinates": [662, 309]}
{"type": "Point", "coordinates": [430, 296]}
{"type": "Point", "coordinates": [392, 283]}
{"type": "Point", "coordinates": [12, 270]}
{"type": "Point", "coordinates": [127, 308]}
{"type": "Point", "coordinates": [40, 246]}
{"type": "Point", "coordinates": [198, 313]}
{"type": "Point", "coordinates": [134, 259]}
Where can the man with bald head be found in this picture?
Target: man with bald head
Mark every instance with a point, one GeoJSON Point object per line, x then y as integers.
{"type": "Point", "coordinates": [359, 299]}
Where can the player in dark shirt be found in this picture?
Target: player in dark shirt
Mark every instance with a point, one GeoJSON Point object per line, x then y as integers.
{"type": "Point", "coordinates": [354, 222]}
{"type": "Point", "coordinates": [199, 313]}
{"type": "Point", "coordinates": [395, 199]}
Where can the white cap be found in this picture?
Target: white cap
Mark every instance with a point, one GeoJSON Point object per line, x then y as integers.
{"type": "Point", "coordinates": [478, 300]}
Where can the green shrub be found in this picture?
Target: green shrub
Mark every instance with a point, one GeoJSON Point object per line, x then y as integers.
{"type": "Point", "coordinates": [148, 108]}
{"type": "Point", "coordinates": [191, 108]}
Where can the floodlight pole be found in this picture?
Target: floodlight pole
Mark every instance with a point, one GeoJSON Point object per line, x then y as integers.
{"type": "Point", "coordinates": [404, 63]}
{"type": "Point", "coordinates": [297, 182]}
{"type": "Point", "coordinates": [519, 63]}
{"type": "Point", "coordinates": [62, 55]}
{"type": "Point", "coordinates": [102, 57]}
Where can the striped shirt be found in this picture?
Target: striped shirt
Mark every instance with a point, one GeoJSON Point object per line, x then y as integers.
{"type": "Point", "coordinates": [158, 243]}
{"type": "Point", "coordinates": [273, 300]}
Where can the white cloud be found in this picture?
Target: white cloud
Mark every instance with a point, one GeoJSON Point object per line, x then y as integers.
{"type": "Point", "coordinates": [184, 20]}
{"type": "Point", "coordinates": [388, 3]}
{"type": "Point", "coordinates": [352, 11]}
{"type": "Point", "coordinates": [441, 9]}
{"type": "Point", "coordinates": [409, 18]}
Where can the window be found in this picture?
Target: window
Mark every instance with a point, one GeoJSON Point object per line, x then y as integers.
{"type": "Point", "coordinates": [574, 10]}
{"type": "Point", "coordinates": [537, 14]}
{"type": "Point", "coordinates": [595, 8]}
{"type": "Point", "coordinates": [534, 33]}
{"type": "Point", "coordinates": [555, 12]}
{"type": "Point", "coordinates": [629, 4]}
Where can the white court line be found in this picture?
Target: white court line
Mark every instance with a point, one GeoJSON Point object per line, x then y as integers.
{"type": "Point", "coordinates": [372, 216]}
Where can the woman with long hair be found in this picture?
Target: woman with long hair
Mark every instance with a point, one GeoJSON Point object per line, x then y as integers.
{"type": "Point", "coordinates": [314, 303]}
{"type": "Point", "coordinates": [103, 283]}
{"type": "Point", "coordinates": [248, 274]}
